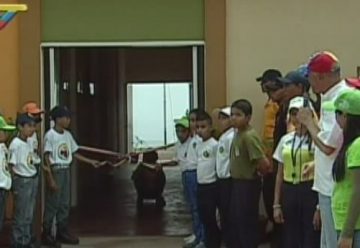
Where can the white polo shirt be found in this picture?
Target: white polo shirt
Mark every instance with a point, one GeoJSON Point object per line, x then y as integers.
{"type": "Point", "coordinates": [191, 155]}
{"type": "Point", "coordinates": [181, 150]}
{"type": "Point", "coordinates": [331, 135]}
{"type": "Point", "coordinates": [206, 168]}
{"type": "Point", "coordinates": [223, 154]}
{"type": "Point", "coordinates": [21, 157]}
{"type": "Point", "coordinates": [61, 147]}
{"type": "Point", "coordinates": [5, 176]}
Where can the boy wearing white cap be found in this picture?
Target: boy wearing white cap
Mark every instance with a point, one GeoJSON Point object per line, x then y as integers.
{"type": "Point", "coordinates": [223, 169]}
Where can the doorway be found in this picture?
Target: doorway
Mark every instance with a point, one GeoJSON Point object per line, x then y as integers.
{"type": "Point", "coordinates": [115, 93]}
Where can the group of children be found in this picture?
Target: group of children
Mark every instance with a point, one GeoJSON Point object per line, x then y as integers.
{"type": "Point", "coordinates": [222, 175]}
{"type": "Point", "coordinates": [20, 172]}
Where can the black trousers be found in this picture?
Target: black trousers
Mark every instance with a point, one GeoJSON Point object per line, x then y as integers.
{"type": "Point", "coordinates": [298, 205]}
{"type": "Point", "coordinates": [207, 210]}
{"type": "Point", "coordinates": [223, 204]}
{"type": "Point", "coordinates": [244, 213]}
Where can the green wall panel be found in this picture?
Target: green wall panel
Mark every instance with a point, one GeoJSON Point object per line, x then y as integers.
{"type": "Point", "coordinates": [122, 20]}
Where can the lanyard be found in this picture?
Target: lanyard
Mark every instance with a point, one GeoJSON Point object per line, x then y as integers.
{"type": "Point", "coordinates": [294, 153]}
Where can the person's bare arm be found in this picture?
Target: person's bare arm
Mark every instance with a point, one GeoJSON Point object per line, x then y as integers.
{"type": "Point", "coordinates": [48, 173]}
{"type": "Point", "coordinates": [92, 162]}
{"type": "Point", "coordinates": [278, 216]}
{"type": "Point", "coordinates": [305, 116]}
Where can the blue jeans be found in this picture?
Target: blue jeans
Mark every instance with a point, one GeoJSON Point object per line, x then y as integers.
{"type": "Point", "coordinates": [328, 232]}
{"type": "Point", "coordinates": [356, 239]}
{"type": "Point", "coordinates": [189, 180]}
{"type": "Point", "coordinates": [25, 192]}
{"type": "Point", "coordinates": [3, 194]}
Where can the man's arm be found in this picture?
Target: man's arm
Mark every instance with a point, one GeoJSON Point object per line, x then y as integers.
{"type": "Point", "coordinates": [305, 116]}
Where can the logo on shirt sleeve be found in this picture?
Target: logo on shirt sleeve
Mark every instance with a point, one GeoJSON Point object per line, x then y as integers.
{"type": "Point", "coordinates": [221, 149]}
{"type": "Point", "coordinates": [206, 154]}
{"type": "Point", "coordinates": [63, 151]}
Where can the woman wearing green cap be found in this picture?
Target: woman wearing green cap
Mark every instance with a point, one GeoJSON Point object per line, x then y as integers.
{"type": "Point", "coordinates": [346, 172]}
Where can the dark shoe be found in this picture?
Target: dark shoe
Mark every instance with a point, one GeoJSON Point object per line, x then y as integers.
{"type": "Point", "coordinates": [48, 240]}
{"type": "Point", "coordinates": [67, 238]}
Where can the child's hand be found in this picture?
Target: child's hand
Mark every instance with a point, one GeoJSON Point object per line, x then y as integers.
{"type": "Point", "coordinates": [46, 168]}
{"type": "Point", "coordinates": [317, 220]}
{"type": "Point", "coordinates": [308, 169]}
{"type": "Point", "coordinates": [121, 162]}
{"type": "Point", "coordinates": [53, 186]}
{"type": "Point", "coordinates": [278, 215]}
{"type": "Point", "coordinates": [98, 164]}
{"type": "Point", "coordinates": [345, 242]}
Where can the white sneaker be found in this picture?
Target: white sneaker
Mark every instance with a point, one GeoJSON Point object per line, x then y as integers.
{"type": "Point", "coordinates": [200, 245]}
{"type": "Point", "coordinates": [189, 239]}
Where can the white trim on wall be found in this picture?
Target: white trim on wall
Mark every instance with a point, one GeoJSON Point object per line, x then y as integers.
{"type": "Point", "coordinates": [125, 44]}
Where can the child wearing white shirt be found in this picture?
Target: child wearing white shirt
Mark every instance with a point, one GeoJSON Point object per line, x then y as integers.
{"type": "Point", "coordinates": [223, 170]}
{"type": "Point", "coordinates": [25, 182]}
{"type": "Point", "coordinates": [59, 149]}
{"type": "Point", "coordinates": [206, 178]}
{"type": "Point", "coordinates": [5, 176]}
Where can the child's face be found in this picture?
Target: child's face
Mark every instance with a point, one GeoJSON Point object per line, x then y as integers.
{"type": "Point", "coordinates": [182, 133]}
{"type": "Point", "coordinates": [3, 136]}
{"type": "Point", "coordinates": [224, 122]}
{"type": "Point", "coordinates": [204, 129]}
{"type": "Point", "coordinates": [238, 118]}
{"type": "Point", "coordinates": [28, 129]}
{"type": "Point", "coordinates": [192, 119]}
{"type": "Point", "coordinates": [63, 122]}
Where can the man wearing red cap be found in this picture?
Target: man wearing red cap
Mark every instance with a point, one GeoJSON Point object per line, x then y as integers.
{"type": "Point", "coordinates": [324, 78]}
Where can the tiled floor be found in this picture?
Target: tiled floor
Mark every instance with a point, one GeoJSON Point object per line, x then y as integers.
{"type": "Point", "coordinates": [108, 208]}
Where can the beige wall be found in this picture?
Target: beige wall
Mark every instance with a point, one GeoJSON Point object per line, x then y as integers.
{"type": "Point", "coordinates": [215, 59]}
{"type": "Point", "coordinates": [9, 67]}
{"type": "Point", "coordinates": [29, 27]}
{"type": "Point", "coordinates": [283, 34]}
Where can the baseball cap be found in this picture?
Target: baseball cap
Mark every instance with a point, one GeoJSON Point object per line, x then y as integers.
{"type": "Point", "coordinates": [269, 75]}
{"type": "Point", "coordinates": [23, 119]}
{"type": "Point", "coordinates": [183, 121]}
{"type": "Point", "coordinates": [4, 126]}
{"type": "Point", "coordinates": [323, 62]}
{"type": "Point", "coordinates": [299, 102]}
{"type": "Point", "coordinates": [293, 77]}
{"type": "Point", "coordinates": [31, 108]}
{"type": "Point", "coordinates": [348, 102]}
{"type": "Point", "coordinates": [59, 111]}
{"type": "Point", "coordinates": [226, 111]}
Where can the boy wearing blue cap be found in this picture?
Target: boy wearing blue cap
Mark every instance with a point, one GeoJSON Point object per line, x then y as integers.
{"type": "Point", "coordinates": [59, 150]}
{"type": "Point", "coordinates": [5, 176]}
{"type": "Point", "coordinates": [25, 181]}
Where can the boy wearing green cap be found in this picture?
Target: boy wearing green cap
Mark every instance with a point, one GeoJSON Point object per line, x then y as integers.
{"type": "Point", "coordinates": [346, 171]}
{"type": "Point", "coordinates": [5, 176]}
